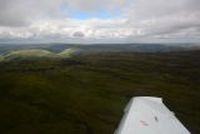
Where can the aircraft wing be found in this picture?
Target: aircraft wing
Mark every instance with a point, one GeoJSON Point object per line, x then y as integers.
{"type": "Point", "coordinates": [148, 115]}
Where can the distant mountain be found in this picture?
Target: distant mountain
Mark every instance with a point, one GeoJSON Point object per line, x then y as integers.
{"type": "Point", "coordinates": [152, 48]}
{"type": "Point", "coordinates": [63, 49]}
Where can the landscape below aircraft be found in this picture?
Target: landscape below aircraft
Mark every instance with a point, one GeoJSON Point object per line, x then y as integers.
{"type": "Point", "coordinates": [149, 115]}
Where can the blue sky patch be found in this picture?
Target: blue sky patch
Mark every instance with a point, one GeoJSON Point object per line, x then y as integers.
{"type": "Point", "coordinates": [83, 15]}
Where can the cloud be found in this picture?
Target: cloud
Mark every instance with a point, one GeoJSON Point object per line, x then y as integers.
{"type": "Point", "coordinates": [23, 12]}
{"type": "Point", "coordinates": [92, 5]}
{"type": "Point", "coordinates": [139, 20]}
{"type": "Point", "coordinates": [161, 16]}
{"type": "Point", "coordinates": [78, 34]}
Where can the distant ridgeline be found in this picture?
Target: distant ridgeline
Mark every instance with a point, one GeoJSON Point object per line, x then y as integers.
{"type": "Point", "coordinates": [24, 51]}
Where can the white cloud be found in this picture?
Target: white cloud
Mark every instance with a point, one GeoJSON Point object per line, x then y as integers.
{"type": "Point", "coordinates": [92, 5]}
{"type": "Point", "coordinates": [161, 17]}
{"type": "Point", "coordinates": [140, 20]}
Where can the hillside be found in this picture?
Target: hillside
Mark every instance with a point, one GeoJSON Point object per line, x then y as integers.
{"type": "Point", "coordinates": [94, 48]}
{"type": "Point", "coordinates": [86, 94]}
{"type": "Point", "coordinates": [68, 52]}
{"type": "Point", "coordinates": [1, 58]}
{"type": "Point", "coordinates": [35, 54]}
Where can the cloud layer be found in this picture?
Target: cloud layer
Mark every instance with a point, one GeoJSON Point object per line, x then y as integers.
{"type": "Point", "coordinates": [138, 21]}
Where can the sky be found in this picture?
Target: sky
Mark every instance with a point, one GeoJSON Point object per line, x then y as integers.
{"type": "Point", "coordinates": [100, 21]}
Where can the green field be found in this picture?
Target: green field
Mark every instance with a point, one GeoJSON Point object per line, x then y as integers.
{"type": "Point", "coordinates": [86, 94]}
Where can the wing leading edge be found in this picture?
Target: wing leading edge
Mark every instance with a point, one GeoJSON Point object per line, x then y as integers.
{"type": "Point", "coordinates": [149, 115]}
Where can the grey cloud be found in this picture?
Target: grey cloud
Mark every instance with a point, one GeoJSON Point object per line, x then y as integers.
{"type": "Point", "coordinates": [78, 34]}
{"type": "Point", "coordinates": [161, 17]}
{"type": "Point", "coordinates": [93, 5]}
{"type": "Point", "coordinates": [140, 19]}
{"type": "Point", "coordinates": [23, 12]}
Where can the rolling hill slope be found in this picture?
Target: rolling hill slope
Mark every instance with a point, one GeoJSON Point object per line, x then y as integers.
{"type": "Point", "coordinates": [35, 54]}
{"type": "Point", "coordinates": [86, 94]}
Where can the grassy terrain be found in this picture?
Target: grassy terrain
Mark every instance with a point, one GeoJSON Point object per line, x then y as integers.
{"type": "Point", "coordinates": [36, 54]}
{"type": "Point", "coordinates": [87, 94]}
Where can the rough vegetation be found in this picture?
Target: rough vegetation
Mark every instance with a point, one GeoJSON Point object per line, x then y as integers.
{"type": "Point", "coordinates": [86, 94]}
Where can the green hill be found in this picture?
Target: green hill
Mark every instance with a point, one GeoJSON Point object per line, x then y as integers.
{"type": "Point", "coordinates": [37, 53]}
{"type": "Point", "coordinates": [67, 52]}
{"type": "Point", "coordinates": [29, 53]}
{"type": "Point", "coordinates": [1, 58]}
